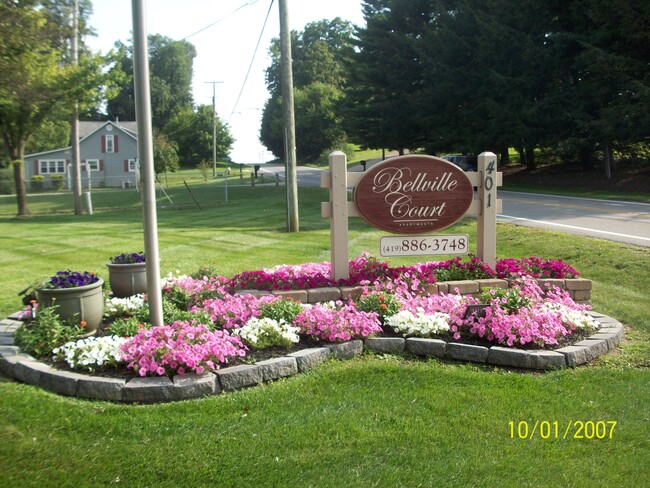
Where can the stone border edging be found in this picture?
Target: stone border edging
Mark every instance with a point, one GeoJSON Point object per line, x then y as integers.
{"type": "Point", "coordinates": [579, 289]}
{"type": "Point", "coordinates": [27, 369]}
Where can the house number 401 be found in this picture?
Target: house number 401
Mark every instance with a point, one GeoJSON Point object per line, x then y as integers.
{"type": "Point", "coordinates": [488, 183]}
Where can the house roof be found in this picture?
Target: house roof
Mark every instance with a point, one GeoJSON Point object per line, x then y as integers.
{"type": "Point", "coordinates": [90, 126]}
{"type": "Point", "coordinates": [87, 128]}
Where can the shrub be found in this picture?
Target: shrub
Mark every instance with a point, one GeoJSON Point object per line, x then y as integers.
{"type": "Point", "coordinates": [383, 304]}
{"type": "Point", "coordinates": [125, 327]}
{"type": "Point", "coordinates": [58, 181]}
{"type": "Point", "coordinates": [6, 182]}
{"type": "Point", "coordinates": [46, 332]}
{"type": "Point", "coordinates": [282, 309]}
{"type": "Point", "coordinates": [37, 182]}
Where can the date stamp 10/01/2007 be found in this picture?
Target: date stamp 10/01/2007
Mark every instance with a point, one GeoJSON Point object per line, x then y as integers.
{"type": "Point", "coordinates": [555, 429]}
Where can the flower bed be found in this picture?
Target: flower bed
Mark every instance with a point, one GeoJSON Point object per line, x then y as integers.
{"type": "Point", "coordinates": [212, 321]}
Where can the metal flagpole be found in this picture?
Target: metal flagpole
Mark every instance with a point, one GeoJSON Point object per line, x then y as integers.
{"type": "Point", "coordinates": [145, 154]}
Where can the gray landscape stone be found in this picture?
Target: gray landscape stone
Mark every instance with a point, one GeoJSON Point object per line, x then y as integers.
{"type": "Point", "coordinates": [463, 287]}
{"type": "Point", "coordinates": [109, 389]}
{"type": "Point", "coordinates": [574, 355]}
{"type": "Point", "coordinates": [491, 283]}
{"type": "Point", "coordinates": [594, 348]}
{"type": "Point", "coordinates": [546, 360]}
{"type": "Point", "coordinates": [10, 323]}
{"type": "Point", "coordinates": [315, 295]}
{"type": "Point", "coordinates": [148, 390]}
{"type": "Point", "coordinates": [346, 350]}
{"type": "Point", "coordinates": [426, 347]}
{"type": "Point", "coordinates": [506, 356]}
{"type": "Point", "coordinates": [235, 377]}
{"type": "Point", "coordinates": [307, 359]}
{"type": "Point", "coordinates": [389, 345]}
{"type": "Point", "coordinates": [275, 368]}
{"type": "Point", "coordinates": [298, 295]}
{"type": "Point", "coordinates": [193, 385]}
{"type": "Point", "coordinates": [6, 340]}
{"type": "Point", "coordinates": [255, 293]}
{"type": "Point", "coordinates": [467, 352]}
{"type": "Point", "coordinates": [62, 382]}
{"type": "Point", "coordinates": [9, 356]}
{"type": "Point", "coordinates": [29, 371]}
{"type": "Point", "coordinates": [613, 339]}
{"type": "Point", "coordinates": [519, 358]}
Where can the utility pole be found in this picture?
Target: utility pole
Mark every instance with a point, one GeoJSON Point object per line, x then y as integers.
{"type": "Point", "coordinates": [214, 128]}
{"type": "Point", "coordinates": [289, 120]}
{"type": "Point", "coordinates": [145, 155]}
{"type": "Point", "coordinates": [74, 124]}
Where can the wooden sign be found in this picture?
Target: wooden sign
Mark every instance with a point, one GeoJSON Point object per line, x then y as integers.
{"type": "Point", "coordinates": [413, 194]}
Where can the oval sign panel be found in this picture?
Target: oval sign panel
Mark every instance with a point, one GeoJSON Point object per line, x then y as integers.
{"type": "Point", "coordinates": [413, 194]}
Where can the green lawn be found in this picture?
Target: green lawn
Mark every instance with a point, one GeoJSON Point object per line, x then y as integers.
{"type": "Point", "coordinates": [371, 421]}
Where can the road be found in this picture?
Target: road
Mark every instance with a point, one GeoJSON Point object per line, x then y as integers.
{"type": "Point", "coordinates": [620, 221]}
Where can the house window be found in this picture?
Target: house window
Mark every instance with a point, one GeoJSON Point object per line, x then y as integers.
{"type": "Point", "coordinates": [110, 143]}
{"type": "Point", "coordinates": [92, 164]}
{"type": "Point", "coordinates": [51, 167]}
{"type": "Point", "coordinates": [132, 164]}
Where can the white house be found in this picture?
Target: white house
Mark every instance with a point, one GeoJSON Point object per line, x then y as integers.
{"type": "Point", "coordinates": [108, 152]}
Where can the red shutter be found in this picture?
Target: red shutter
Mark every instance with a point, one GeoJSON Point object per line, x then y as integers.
{"type": "Point", "coordinates": [126, 165]}
{"type": "Point", "coordinates": [36, 168]}
{"type": "Point", "coordinates": [103, 144]}
{"type": "Point", "coordinates": [101, 165]}
{"type": "Point", "coordinates": [115, 149]}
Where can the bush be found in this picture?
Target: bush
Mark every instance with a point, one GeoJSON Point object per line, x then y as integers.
{"type": "Point", "coordinates": [58, 182]}
{"type": "Point", "coordinates": [37, 182]}
{"type": "Point", "coordinates": [383, 304]}
{"type": "Point", "coordinates": [6, 182]}
{"type": "Point", "coordinates": [282, 309]}
{"type": "Point", "coordinates": [47, 332]}
{"type": "Point", "coordinates": [204, 168]}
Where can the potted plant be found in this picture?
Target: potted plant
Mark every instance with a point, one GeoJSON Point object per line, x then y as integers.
{"type": "Point", "coordinates": [77, 296]}
{"type": "Point", "coordinates": [127, 274]}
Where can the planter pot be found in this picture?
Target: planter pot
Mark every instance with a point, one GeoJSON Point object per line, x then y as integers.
{"type": "Point", "coordinates": [127, 279]}
{"type": "Point", "coordinates": [83, 303]}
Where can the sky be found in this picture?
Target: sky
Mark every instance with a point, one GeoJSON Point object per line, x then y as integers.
{"type": "Point", "coordinates": [225, 34]}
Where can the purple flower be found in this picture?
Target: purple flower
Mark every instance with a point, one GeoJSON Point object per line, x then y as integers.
{"type": "Point", "coordinates": [128, 258]}
{"type": "Point", "coordinates": [71, 279]}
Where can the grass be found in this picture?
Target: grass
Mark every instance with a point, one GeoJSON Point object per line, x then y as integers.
{"type": "Point", "coordinates": [372, 421]}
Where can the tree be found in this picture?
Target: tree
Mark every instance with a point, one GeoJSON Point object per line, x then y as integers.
{"type": "Point", "coordinates": [170, 77]}
{"type": "Point", "coordinates": [192, 131]}
{"type": "Point", "coordinates": [165, 154]}
{"type": "Point", "coordinates": [35, 83]}
{"type": "Point", "coordinates": [605, 50]}
{"type": "Point", "coordinates": [384, 93]}
{"type": "Point", "coordinates": [320, 57]}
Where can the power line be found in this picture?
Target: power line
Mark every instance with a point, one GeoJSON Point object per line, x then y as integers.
{"type": "Point", "coordinates": [250, 65]}
{"type": "Point", "coordinates": [252, 2]}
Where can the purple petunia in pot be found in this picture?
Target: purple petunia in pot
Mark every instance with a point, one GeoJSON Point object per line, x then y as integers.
{"type": "Point", "coordinates": [128, 258]}
{"type": "Point", "coordinates": [70, 279]}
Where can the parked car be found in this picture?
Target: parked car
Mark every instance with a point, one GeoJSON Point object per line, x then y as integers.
{"type": "Point", "coordinates": [464, 162]}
